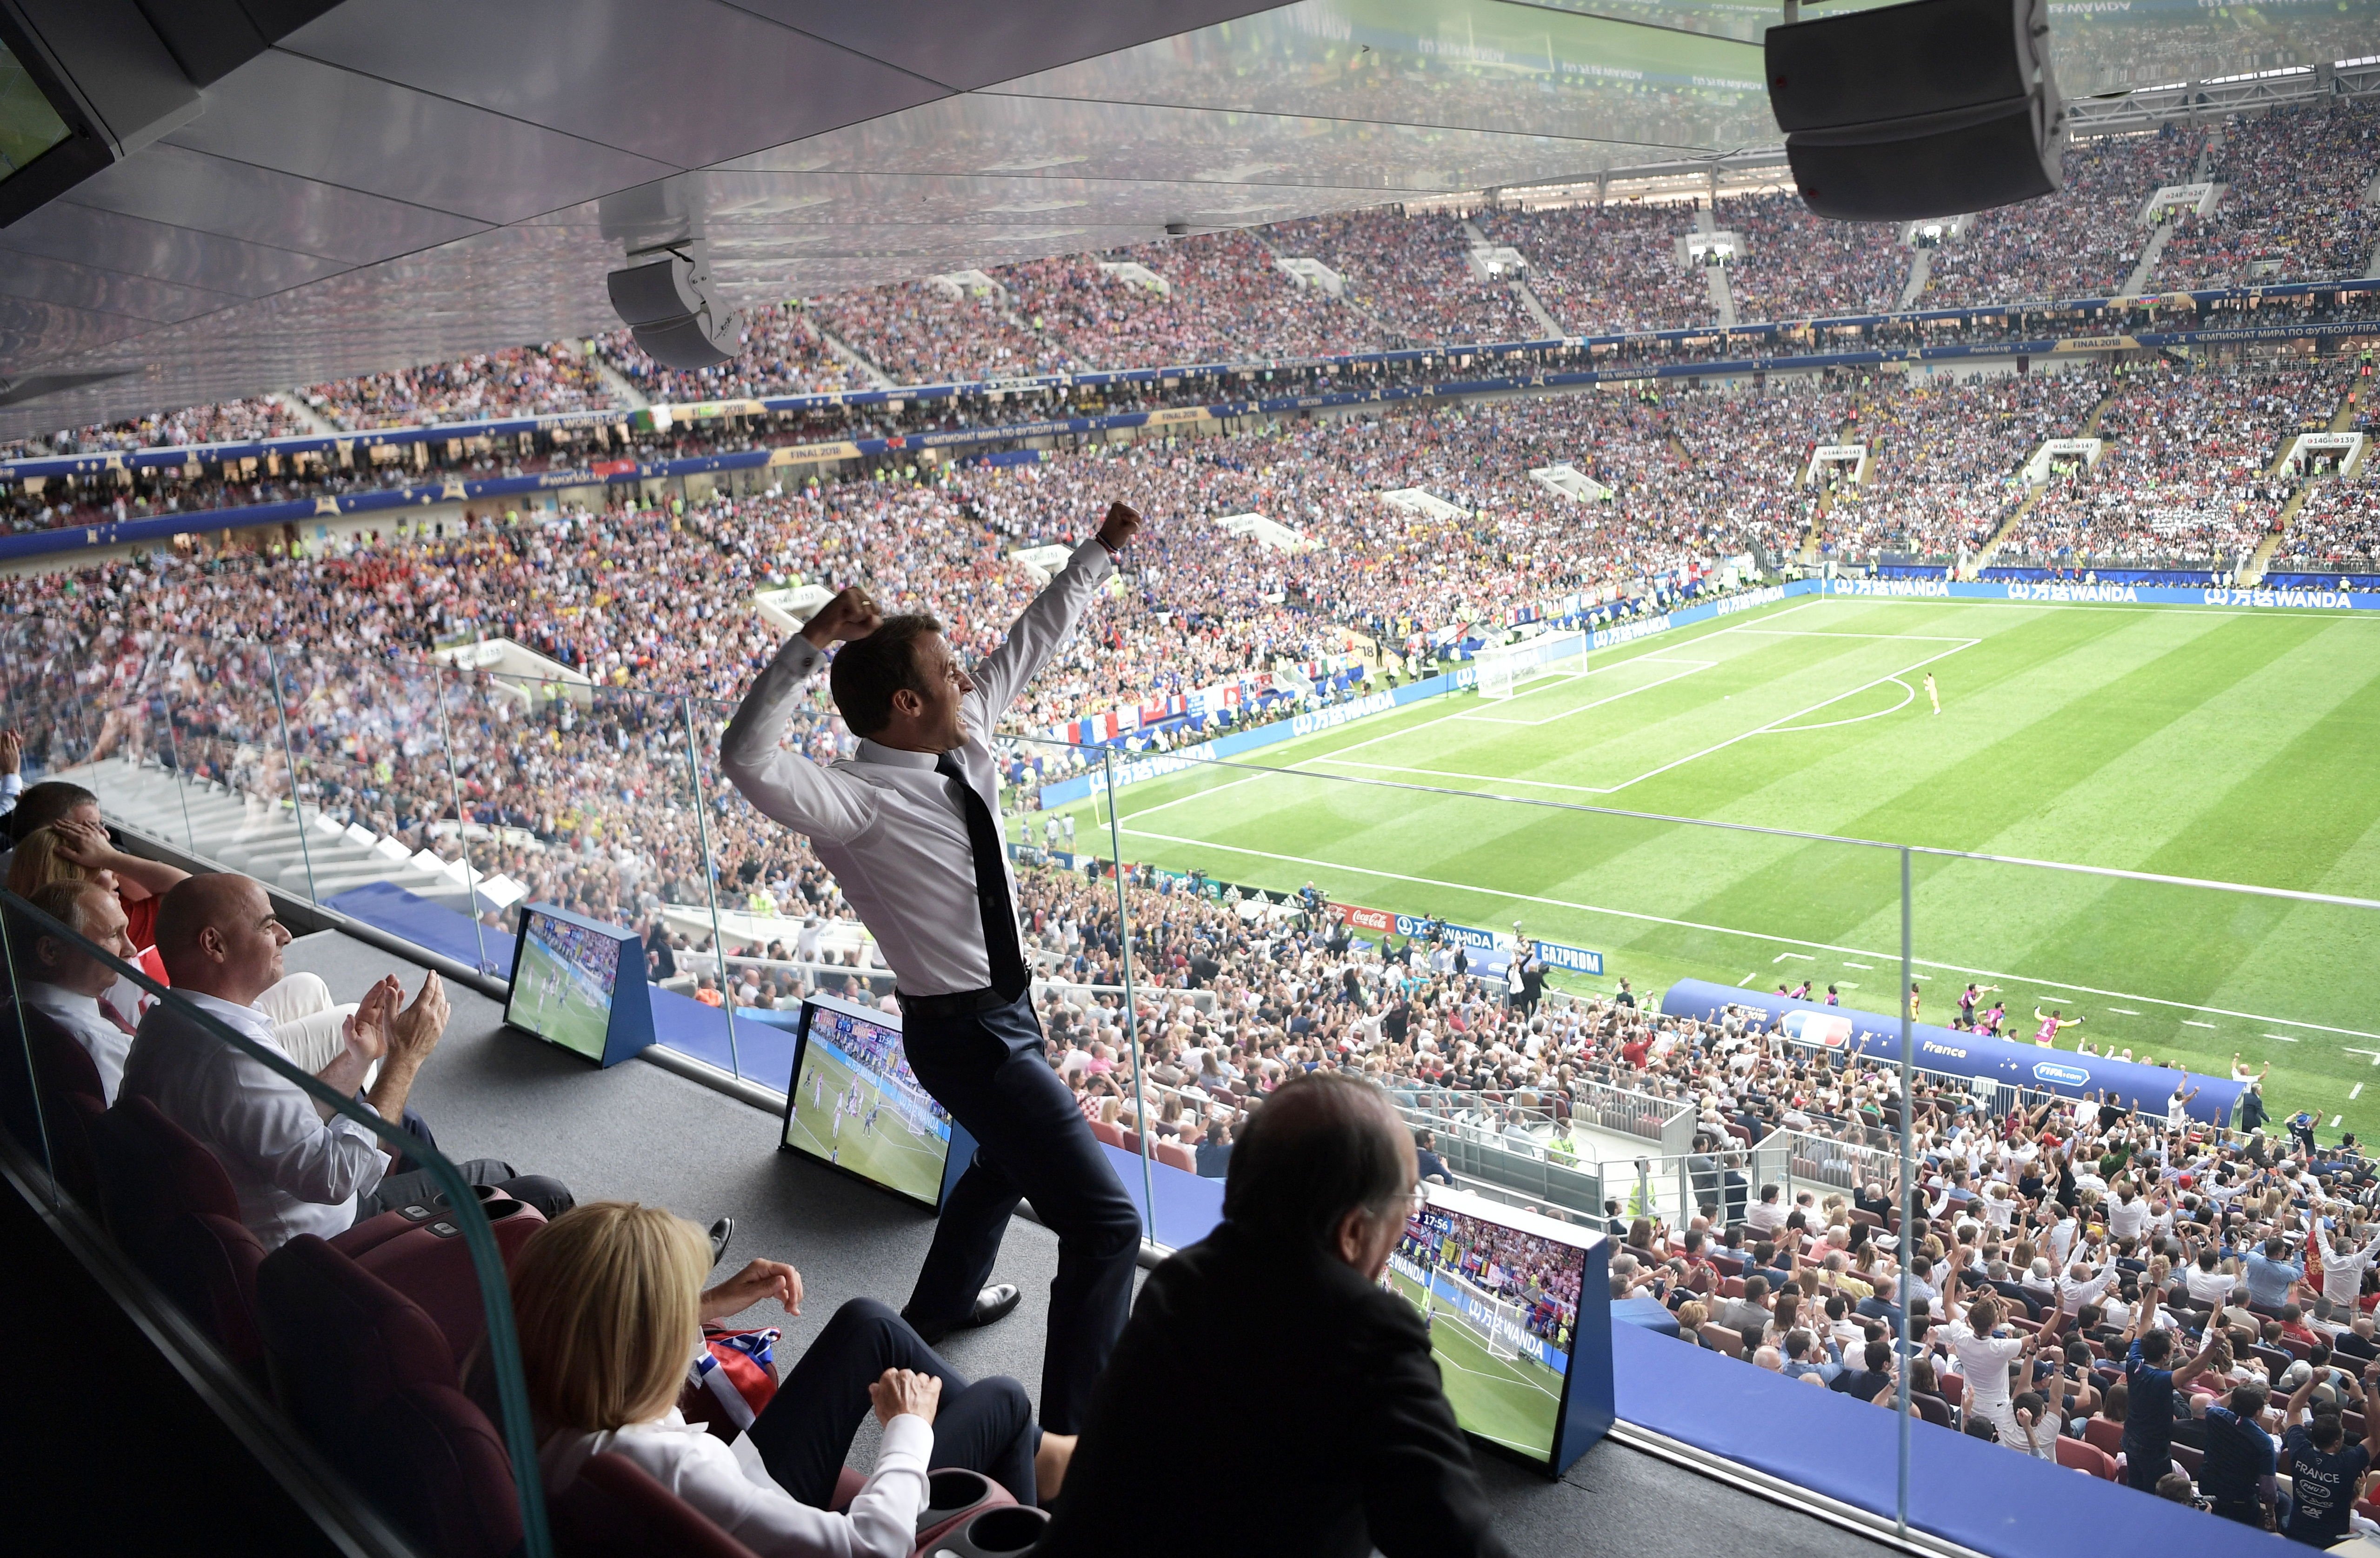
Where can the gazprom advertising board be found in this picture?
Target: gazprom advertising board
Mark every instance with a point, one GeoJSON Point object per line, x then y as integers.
{"type": "Point", "coordinates": [2019, 1065]}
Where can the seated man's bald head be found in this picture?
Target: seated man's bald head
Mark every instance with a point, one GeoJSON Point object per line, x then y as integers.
{"type": "Point", "coordinates": [216, 934]}
{"type": "Point", "coordinates": [1324, 1148]}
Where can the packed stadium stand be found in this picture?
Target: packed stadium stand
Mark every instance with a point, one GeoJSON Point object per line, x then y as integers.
{"type": "Point", "coordinates": [445, 612]}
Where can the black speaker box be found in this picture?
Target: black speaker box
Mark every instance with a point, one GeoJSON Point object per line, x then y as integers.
{"type": "Point", "coordinates": [1927, 109]}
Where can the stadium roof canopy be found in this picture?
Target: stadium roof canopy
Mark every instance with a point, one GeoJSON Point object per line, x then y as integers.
{"type": "Point", "coordinates": [408, 181]}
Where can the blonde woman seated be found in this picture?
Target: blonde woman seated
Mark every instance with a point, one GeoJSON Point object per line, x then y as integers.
{"type": "Point", "coordinates": [610, 1305]}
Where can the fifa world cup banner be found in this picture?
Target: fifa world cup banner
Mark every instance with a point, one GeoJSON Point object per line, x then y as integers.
{"type": "Point", "coordinates": [2015, 1063]}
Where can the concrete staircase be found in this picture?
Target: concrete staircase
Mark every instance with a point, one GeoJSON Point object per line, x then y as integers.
{"type": "Point", "coordinates": [1722, 298]}
{"type": "Point", "coordinates": [1921, 271]}
{"type": "Point", "coordinates": [845, 352]}
{"type": "Point", "coordinates": [2151, 252]}
{"type": "Point", "coordinates": [2253, 573]}
{"type": "Point", "coordinates": [2008, 528]}
{"type": "Point", "coordinates": [624, 391]}
{"type": "Point", "coordinates": [316, 424]}
{"type": "Point", "coordinates": [255, 835]}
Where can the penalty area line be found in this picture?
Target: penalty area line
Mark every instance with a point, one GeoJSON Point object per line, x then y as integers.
{"type": "Point", "coordinates": [1643, 918]}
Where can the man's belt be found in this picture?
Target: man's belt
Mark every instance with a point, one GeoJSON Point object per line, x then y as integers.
{"type": "Point", "coordinates": [958, 1004]}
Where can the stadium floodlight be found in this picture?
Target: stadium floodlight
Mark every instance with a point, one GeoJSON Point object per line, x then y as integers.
{"type": "Point", "coordinates": [667, 306]}
{"type": "Point", "coordinates": [1927, 109]}
{"type": "Point", "coordinates": [1504, 668]}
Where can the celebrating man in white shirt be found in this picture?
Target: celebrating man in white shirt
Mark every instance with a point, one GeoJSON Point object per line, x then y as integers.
{"type": "Point", "coordinates": [298, 1166]}
{"type": "Point", "coordinates": [909, 827]}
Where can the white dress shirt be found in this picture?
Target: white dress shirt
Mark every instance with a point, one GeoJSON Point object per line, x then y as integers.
{"type": "Point", "coordinates": [80, 1016]}
{"type": "Point", "coordinates": [296, 1172]}
{"type": "Point", "coordinates": [891, 829]}
{"type": "Point", "coordinates": [697, 1466]}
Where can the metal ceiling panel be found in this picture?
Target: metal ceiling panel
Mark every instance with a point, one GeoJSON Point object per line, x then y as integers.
{"type": "Point", "coordinates": [317, 121]}
{"type": "Point", "coordinates": [686, 84]}
{"type": "Point", "coordinates": [23, 320]}
{"type": "Point", "coordinates": [965, 46]}
{"type": "Point", "coordinates": [187, 188]}
{"type": "Point", "coordinates": [45, 280]}
{"type": "Point", "coordinates": [134, 246]}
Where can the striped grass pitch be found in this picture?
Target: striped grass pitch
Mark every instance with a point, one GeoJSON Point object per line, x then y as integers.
{"type": "Point", "coordinates": [2229, 745]}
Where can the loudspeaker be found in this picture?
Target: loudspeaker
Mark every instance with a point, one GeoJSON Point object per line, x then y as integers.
{"type": "Point", "coordinates": [1927, 109]}
{"type": "Point", "coordinates": [667, 305]}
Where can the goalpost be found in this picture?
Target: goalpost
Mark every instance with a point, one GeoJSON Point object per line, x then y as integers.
{"type": "Point", "coordinates": [1505, 668]}
{"type": "Point", "coordinates": [1496, 1334]}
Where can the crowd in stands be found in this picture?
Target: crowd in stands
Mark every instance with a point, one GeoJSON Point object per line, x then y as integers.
{"type": "Point", "coordinates": [918, 334]}
{"type": "Point", "coordinates": [1225, 298]}
{"type": "Point", "coordinates": [2338, 527]}
{"type": "Point", "coordinates": [1944, 458]}
{"type": "Point", "coordinates": [1608, 269]}
{"type": "Point", "coordinates": [2185, 473]}
{"type": "Point", "coordinates": [1411, 274]}
{"type": "Point", "coordinates": [560, 377]}
{"type": "Point", "coordinates": [2080, 242]}
{"type": "Point", "coordinates": [2145, 1298]}
{"type": "Point", "coordinates": [2293, 208]}
{"type": "Point", "coordinates": [1795, 265]}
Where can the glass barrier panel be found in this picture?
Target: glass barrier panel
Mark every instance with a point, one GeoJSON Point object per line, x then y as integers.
{"type": "Point", "coordinates": [189, 1199]}
{"type": "Point", "coordinates": [228, 778]}
{"type": "Point", "coordinates": [2193, 1067]}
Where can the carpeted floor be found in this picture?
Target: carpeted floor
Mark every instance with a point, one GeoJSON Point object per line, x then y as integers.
{"type": "Point", "coordinates": [641, 1133]}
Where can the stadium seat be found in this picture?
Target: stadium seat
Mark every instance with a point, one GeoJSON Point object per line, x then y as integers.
{"type": "Point", "coordinates": [2188, 1457]}
{"type": "Point", "coordinates": [368, 1376]}
{"type": "Point", "coordinates": [1724, 1340]}
{"type": "Point", "coordinates": [1933, 1408]}
{"type": "Point", "coordinates": [1954, 1388]}
{"type": "Point", "coordinates": [992, 1533]}
{"type": "Point", "coordinates": [176, 1216]}
{"type": "Point", "coordinates": [1177, 1156]}
{"type": "Point", "coordinates": [60, 1102]}
{"type": "Point", "coordinates": [1130, 1142]}
{"type": "Point", "coordinates": [615, 1509]}
{"type": "Point", "coordinates": [2106, 1437]}
{"type": "Point", "coordinates": [1730, 1287]}
{"type": "Point", "coordinates": [2077, 1455]}
{"type": "Point", "coordinates": [1108, 1132]}
{"type": "Point", "coordinates": [954, 1495]}
{"type": "Point", "coordinates": [432, 1265]}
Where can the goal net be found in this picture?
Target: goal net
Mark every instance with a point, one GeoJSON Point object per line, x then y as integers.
{"type": "Point", "coordinates": [1496, 1321]}
{"type": "Point", "coordinates": [1505, 668]}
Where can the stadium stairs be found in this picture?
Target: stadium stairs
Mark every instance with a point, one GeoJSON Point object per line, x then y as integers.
{"type": "Point", "coordinates": [2341, 421]}
{"type": "Point", "coordinates": [1921, 271]}
{"type": "Point", "coordinates": [844, 351]}
{"type": "Point", "coordinates": [1722, 297]}
{"type": "Point", "coordinates": [623, 389]}
{"type": "Point", "coordinates": [255, 836]}
{"type": "Point", "coordinates": [316, 424]}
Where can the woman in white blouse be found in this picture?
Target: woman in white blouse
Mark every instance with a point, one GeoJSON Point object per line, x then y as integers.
{"type": "Point", "coordinates": [610, 1306]}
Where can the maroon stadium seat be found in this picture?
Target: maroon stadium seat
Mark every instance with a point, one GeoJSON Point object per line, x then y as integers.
{"type": "Point", "coordinates": [954, 1495]}
{"type": "Point", "coordinates": [615, 1509]}
{"type": "Point", "coordinates": [2077, 1455]}
{"type": "Point", "coordinates": [1175, 1155]}
{"type": "Point", "coordinates": [368, 1376]}
{"type": "Point", "coordinates": [1109, 1132]}
{"type": "Point", "coordinates": [2105, 1436]}
{"type": "Point", "coordinates": [432, 1265]}
{"type": "Point", "coordinates": [176, 1217]}
{"type": "Point", "coordinates": [64, 1084]}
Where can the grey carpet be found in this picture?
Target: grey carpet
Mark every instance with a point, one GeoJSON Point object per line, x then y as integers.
{"type": "Point", "coordinates": [638, 1132]}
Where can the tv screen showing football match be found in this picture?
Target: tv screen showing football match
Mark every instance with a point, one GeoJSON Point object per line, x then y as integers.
{"type": "Point", "coordinates": [1501, 1301]}
{"type": "Point", "coordinates": [563, 984]}
{"type": "Point", "coordinates": [855, 1104]}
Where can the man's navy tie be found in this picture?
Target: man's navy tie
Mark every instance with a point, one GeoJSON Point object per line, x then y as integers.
{"type": "Point", "coordinates": [1000, 942]}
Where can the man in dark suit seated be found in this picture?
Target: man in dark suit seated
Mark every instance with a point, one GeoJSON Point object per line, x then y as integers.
{"type": "Point", "coordinates": [1330, 1434]}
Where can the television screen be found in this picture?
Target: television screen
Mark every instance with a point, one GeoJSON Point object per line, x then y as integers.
{"type": "Point", "coordinates": [1499, 1289]}
{"type": "Point", "coordinates": [563, 981]}
{"type": "Point", "coordinates": [855, 1104]}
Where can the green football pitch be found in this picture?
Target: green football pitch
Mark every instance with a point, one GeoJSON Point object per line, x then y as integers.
{"type": "Point", "coordinates": [2218, 746]}
{"type": "Point", "coordinates": [550, 998]}
{"type": "Point", "coordinates": [889, 1152]}
{"type": "Point", "coordinates": [1511, 1401]}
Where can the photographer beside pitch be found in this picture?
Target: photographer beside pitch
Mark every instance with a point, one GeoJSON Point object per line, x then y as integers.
{"type": "Point", "coordinates": [909, 827]}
